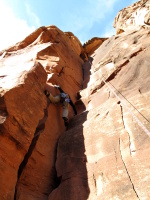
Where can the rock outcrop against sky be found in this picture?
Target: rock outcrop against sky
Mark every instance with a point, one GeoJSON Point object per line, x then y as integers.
{"type": "Point", "coordinates": [104, 154]}
{"type": "Point", "coordinates": [133, 17]}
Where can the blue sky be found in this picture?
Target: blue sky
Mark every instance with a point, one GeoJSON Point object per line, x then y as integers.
{"type": "Point", "coordinates": [85, 18]}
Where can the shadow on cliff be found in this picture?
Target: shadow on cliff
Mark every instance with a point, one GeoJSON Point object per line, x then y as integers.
{"type": "Point", "coordinates": [71, 158]}
{"type": "Point", "coordinates": [87, 72]}
{"type": "Point", "coordinates": [71, 162]}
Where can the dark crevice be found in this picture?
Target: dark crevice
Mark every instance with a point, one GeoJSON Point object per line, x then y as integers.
{"type": "Point", "coordinates": [40, 128]}
{"type": "Point", "coordinates": [57, 180]}
{"type": "Point", "coordinates": [136, 53]}
{"type": "Point", "coordinates": [139, 91]}
{"type": "Point", "coordinates": [61, 71]}
{"type": "Point", "coordinates": [3, 116]}
{"type": "Point", "coordinates": [86, 70]}
{"type": "Point", "coordinates": [94, 180]}
{"type": "Point", "coordinates": [75, 125]}
{"type": "Point", "coordinates": [80, 106]}
{"type": "Point", "coordinates": [128, 173]}
{"type": "Point", "coordinates": [3, 108]}
{"type": "Point", "coordinates": [98, 87]}
{"type": "Point", "coordinates": [3, 113]}
{"type": "Point", "coordinates": [25, 161]}
{"type": "Point", "coordinates": [83, 75]}
{"type": "Point", "coordinates": [1, 77]}
{"type": "Point", "coordinates": [78, 96]}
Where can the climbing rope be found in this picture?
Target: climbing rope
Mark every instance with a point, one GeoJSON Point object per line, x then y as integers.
{"type": "Point", "coordinates": [123, 104]}
{"type": "Point", "coordinates": [3, 55]}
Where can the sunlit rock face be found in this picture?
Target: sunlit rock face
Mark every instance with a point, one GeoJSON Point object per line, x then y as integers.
{"type": "Point", "coordinates": [91, 45]}
{"type": "Point", "coordinates": [133, 17]}
{"type": "Point", "coordinates": [104, 154]}
{"type": "Point", "coordinates": [29, 125]}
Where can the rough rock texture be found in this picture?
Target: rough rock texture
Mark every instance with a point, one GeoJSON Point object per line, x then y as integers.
{"type": "Point", "coordinates": [133, 17]}
{"type": "Point", "coordinates": [91, 45]}
{"type": "Point", "coordinates": [104, 154]}
{"type": "Point", "coordinates": [147, 18]}
{"type": "Point", "coordinates": [21, 93]}
{"type": "Point", "coordinates": [29, 124]}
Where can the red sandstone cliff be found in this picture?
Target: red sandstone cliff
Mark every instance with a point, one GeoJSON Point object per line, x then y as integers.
{"type": "Point", "coordinates": [29, 125]}
{"type": "Point", "coordinates": [105, 152]}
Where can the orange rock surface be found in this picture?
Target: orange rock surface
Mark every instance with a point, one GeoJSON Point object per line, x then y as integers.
{"type": "Point", "coordinates": [30, 126]}
{"type": "Point", "coordinates": [104, 154]}
{"type": "Point", "coordinates": [91, 45]}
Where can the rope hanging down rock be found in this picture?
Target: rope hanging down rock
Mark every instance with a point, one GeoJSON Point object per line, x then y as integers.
{"type": "Point", "coordinates": [3, 55]}
{"type": "Point", "coordinates": [123, 104]}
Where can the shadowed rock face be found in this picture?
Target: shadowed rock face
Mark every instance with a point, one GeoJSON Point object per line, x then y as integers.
{"type": "Point", "coordinates": [104, 154]}
{"type": "Point", "coordinates": [19, 116]}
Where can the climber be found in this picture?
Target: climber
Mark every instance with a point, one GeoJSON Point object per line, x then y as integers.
{"type": "Point", "coordinates": [65, 100]}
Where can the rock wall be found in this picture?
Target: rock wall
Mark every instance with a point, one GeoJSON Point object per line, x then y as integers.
{"type": "Point", "coordinates": [104, 154]}
{"type": "Point", "coordinates": [29, 125]}
{"type": "Point", "coordinates": [133, 17]}
{"type": "Point", "coordinates": [19, 117]}
{"type": "Point", "coordinates": [91, 45]}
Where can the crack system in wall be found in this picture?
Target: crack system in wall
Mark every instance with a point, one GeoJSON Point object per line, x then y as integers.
{"type": "Point", "coordinates": [126, 129]}
{"type": "Point", "coordinates": [40, 128]}
{"type": "Point", "coordinates": [110, 77]}
{"type": "Point", "coordinates": [128, 172]}
{"type": "Point", "coordinates": [116, 158]}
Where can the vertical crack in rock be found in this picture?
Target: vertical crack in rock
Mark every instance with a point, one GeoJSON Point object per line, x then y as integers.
{"type": "Point", "coordinates": [94, 181]}
{"type": "Point", "coordinates": [95, 184]}
{"type": "Point", "coordinates": [61, 71]}
{"type": "Point", "coordinates": [126, 129]}
{"type": "Point", "coordinates": [127, 171]}
{"type": "Point", "coordinates": [58, 180]}
{"type": "Point", "coordinates": [3, 110]}
{"type": "Point", "coordinates": [82, 74]}
{"type": "Point", "coordinates": [40, 128]}
{"type": "Point", "coordinates": [139, 90]}
{"type": "Point", "coordinates": [116, 158]}
{"type": "Point", "coordinates": [136, 53]}
{"type": "Point", "coordinates": [86, 72]}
